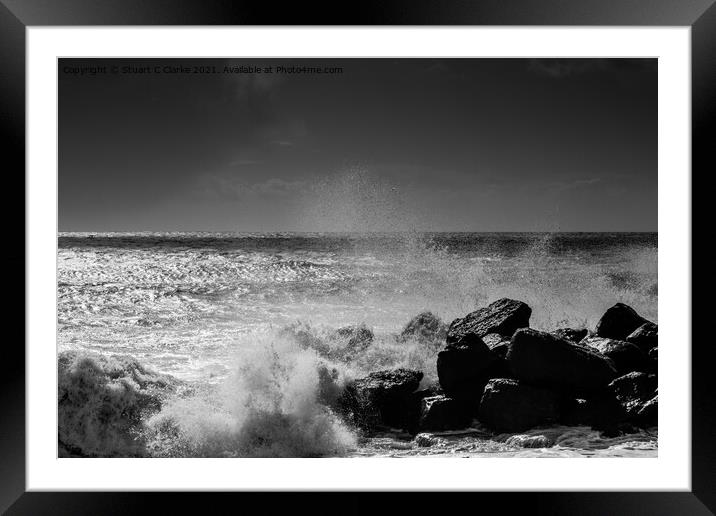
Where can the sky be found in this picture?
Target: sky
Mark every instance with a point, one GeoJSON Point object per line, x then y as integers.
{"type": "Point", "coordinates": [364, 145]}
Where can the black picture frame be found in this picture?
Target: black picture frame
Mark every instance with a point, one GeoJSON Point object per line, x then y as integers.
{"type": "Point", "coordinates": [17, 15]}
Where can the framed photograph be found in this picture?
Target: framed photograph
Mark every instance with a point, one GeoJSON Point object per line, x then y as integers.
{"type": "Point", "coordinates": [423, 249]}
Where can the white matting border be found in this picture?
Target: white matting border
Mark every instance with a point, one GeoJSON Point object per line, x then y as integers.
{"type": "Point", "coordinates": [671, 470]}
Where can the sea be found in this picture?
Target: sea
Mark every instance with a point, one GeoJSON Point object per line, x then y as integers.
{"type": "Point", "coordinates": [246, 321]}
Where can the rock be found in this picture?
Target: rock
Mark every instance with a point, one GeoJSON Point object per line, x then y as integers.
{"type": "Point", "coordinates": [443, 413]}
{"type": "Point", "coordinates": [646, 336]}
{"type": "Point", "coordinates": [654, 354]}
{"type": "Point", "coordinates": [357, 338]}
{"type": "Point", "coordinates": [633, 391]}
{"type": "Point", "coordinates": [462, 366]}
{"type": "Point", "coordinates": [543, 359]}
{"type": "Point", "coordinates": [103, 401]}
{"type": "Point", "coordinates": [601, 412]}
{"type": "Point", "coordinates": [504, 316]}
{"type": "Point", "coordinates": [618, 322]}
{"type": "Point", "coordinates": [571, 334]}
{"type": "Point", "coordinates": [498, 368]}
{"type": "Point", "coordinates": [426, 440]}
{"type": "Point", "coordinates": [627, 357]}
{"type": "Point", "coordinates": [510, 406]}
{"type": "Point", "coordinates": [351, 341]}
{"type": "Point", "coordinates": [425, 328]}
{"type": "Point", "coordinates": [383, 398]}
{"type": "Point", "coordinates": [648, 414]}
{"type": "Point", "coordinates": [498, 344]}
{"type": "Point", "coordinates": [529, 441]}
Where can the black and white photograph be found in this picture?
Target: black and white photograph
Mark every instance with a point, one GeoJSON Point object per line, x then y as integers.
{"type": "Point", "coordinates": [357, 257]}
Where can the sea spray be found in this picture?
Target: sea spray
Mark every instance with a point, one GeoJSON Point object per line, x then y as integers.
{"type": "Point", "coordinates": [274, 404]}
{"type": "Point", "coordinates": [102, 402]}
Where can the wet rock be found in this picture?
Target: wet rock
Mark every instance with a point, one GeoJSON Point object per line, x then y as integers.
{"type": "Point", "coordinates": [425, 440]}
{"type": "Point", "coordinates": [504, 316]}
{"type": "Point", "coordinates": [601, 412]}
{"type": "Point", "coordinates": [648, 414]}
{"type": "Point", "coordinates": [510, 406]}
{"type": "Point", "coordinates": [425, 327]}
{"type": "Point", "coordinates": [498, 344]}
{"type": "Point", "coordinates": [383, 398]}
{"type": "Point", "coordinates": [357, 338]}
{"type": "Point", "coordinates": [646, 336]}
{"type": "Point", "coordinates": [542, 359]}
{"type": "Point", "coordinates": [571, 334]}
{"type": "Point", "coordinates": [444, 413]}
{"type": "Point", "coordinates": [634, 391]}
{"type": "Point", "coordinates": [462, 366]}
{"type": "Point", "coordinates": [618, 322]}
{"type": "Point", "coordinates": [529, 441]}
{"type": "Point", "coordinates": [627, 357]}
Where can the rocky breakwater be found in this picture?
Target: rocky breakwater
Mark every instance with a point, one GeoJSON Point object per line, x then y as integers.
{"type": "Point", "coordinates": [496, 370]}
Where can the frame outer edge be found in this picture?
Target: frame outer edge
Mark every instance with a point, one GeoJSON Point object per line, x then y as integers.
{"type": "Point", "coordinates": [703, 393]}
{"type": "Point", "coordinates": [12, 139]}
{"type": "Point", "coordinates": [12, 123]}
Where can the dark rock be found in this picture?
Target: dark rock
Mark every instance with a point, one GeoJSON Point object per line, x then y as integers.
{"type": "Point", "coordinates": [383, 398]}
{"type": "Point", "coordinates": [654, 354]}
{"type": "Point", "coordinates": [571, 334]}
{"type": "Point", "coordinates": [462, 367]}
{"type": "Point", "coordinates": [646, 336]}
{"type": "Point", "coordinates": [648, 414]}
{"type": "Point", "coordinates": [543, 359]}
{"type": "Point", "coordinates": [627, 357]}
{"type": "Point", "coordinates": [601, 412]}
{"type": "Point", "coordinates": [443, 413]}
{"type": "Point", "coordinates": [634, 391]}
{"type": "Point", "coordinates": [357, 338]}
{"type": "Point", "coordinates": [504, 316]}
{"type": "Point", "coordinates": [412, 410]}
{"type": "Point", "coordinates": [498, 344]}
{"type": "Point", "coordinates": [510, 406]}
{"type": "Point", "coordinates": [618, 322]}
{"type": "Point", "coordinates": [425, 328]}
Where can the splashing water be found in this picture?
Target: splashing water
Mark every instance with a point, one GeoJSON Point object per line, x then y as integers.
{"type": "Point", "coordinates": [249, 322]}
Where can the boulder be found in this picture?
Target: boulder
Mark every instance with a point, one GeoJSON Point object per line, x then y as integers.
{"type": "Point", "coordinates": [571, 334]}
{"type": "Point", "coordinates": [510, 406]}
{"type": "Point", "coordinates": [634, 391]}
{"type": "Point", "coordinates": [462, 367]}
{"type": "Point", "coordinates": [444, 413]}
{"type": "Point", "coordinates": [383, 398]}
{"type": "Point", "coordinates": [353, 339]}
{"type": "Point", "coordinates": [627, 357]}
{"type": "Point", "coordinates": [543, 359]}
{"type": "Point", "coordinates": [601, 412]}
{"type": "Point", "coordinates": [654, 354]}
{"type": "Point", "coordinates": [646, 336]}
{"type": "Point", "coordinates": [425, 328]}
{"type": "Point", "coordinates": [356, 337]}
{"type": "Point", "coordinates": [648, 414]}
{"type": "Point", "coordinates": [618, 322]}
{"type": "Point", "coordinates": [498, 344]}
{"type": "Point", "coordinates": [504, 316]}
